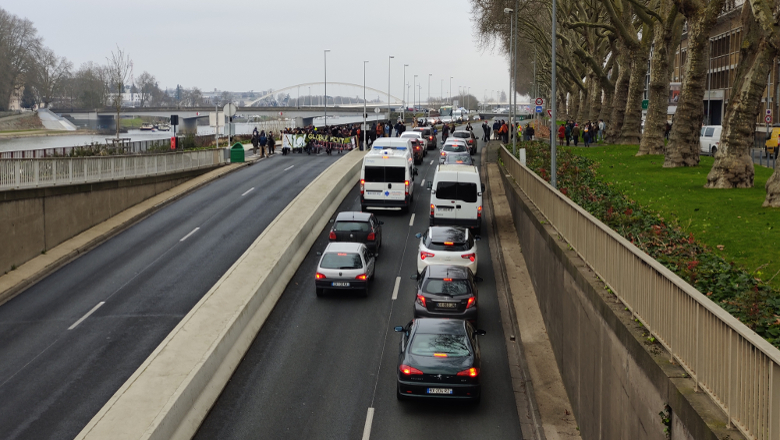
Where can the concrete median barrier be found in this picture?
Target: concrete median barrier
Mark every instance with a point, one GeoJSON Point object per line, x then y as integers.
{"type": "Point", "coordinates": [172, 391]}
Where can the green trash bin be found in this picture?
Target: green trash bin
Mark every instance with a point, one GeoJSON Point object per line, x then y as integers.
{"type": "Point", "coordinates": [237, 153]}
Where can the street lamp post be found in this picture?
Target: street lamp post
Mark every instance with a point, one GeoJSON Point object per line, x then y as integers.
{"type": "Point", "coordinates": [429, 90]}
{"type": "Point", "coordinates": [405, 92]}
{"type": "Point", "coordinates": [441, 91]}
{"type": "Point", "coordinates": [414, 97]}
{"type": "Point", "coordinates": [709, 84]}
{"type": "Point", "coordinates": [468, 97]}
{"type": "Point", "coordinates": [512, 19]}
{"type": "Point", "coordinates": [451, 89]}
{"type": "Point", "coordinates": [326, 86]}
{"type": "Point", "coordinates": [364, 105]}
{"type": "Point", "coordinates": [388, 87]}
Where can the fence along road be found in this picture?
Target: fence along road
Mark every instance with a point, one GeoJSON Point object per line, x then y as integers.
{"type": "Point", "coordinates": [735, 366]}
{"type": "Point", "coordinates": [36, 173]}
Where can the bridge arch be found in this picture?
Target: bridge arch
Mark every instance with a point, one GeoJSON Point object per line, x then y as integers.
{"type": "Point", "coordinates": [381, 93]}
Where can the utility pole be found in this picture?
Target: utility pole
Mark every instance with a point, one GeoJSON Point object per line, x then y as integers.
{"type": "Point", "coordinates": [389, 111]}
{"type": "Point", "coordinates": [326, 86]}
{"type": "Point", "coordinates": [364, 105]}
{"type": "Point", "coordinates": [405, 92]}
{"type": "Point", "coordinates": [429, 90]}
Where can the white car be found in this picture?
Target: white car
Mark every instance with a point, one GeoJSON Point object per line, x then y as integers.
{"type": "Point", "coordinates": [450, 245]}
{"type": "Point", "coordinates": [709, 139]}
{"type": "Point", "coordinates": [453, 145]}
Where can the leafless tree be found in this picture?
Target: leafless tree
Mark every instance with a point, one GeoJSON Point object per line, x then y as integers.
{"type": "Point", "coordinates": [118, 71]}
{"type": "Point", "coordinates": [50, 75]}
{"type": "Point", "coordinates": [146, 84]}
{"type": "Point", "coordinates": [19, 41]}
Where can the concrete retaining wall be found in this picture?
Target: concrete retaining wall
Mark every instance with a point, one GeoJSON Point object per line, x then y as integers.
{"type": "Point", "coordinates": [618, 382]}
{"type": "Point", "coordinates": [172, 391]}
{"type": "Point", "coordinates": [36, 220]}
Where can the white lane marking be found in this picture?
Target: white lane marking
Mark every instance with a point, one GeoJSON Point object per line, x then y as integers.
{"type": "Point", "coordinates": [289, 168]}
{"type": "Point", "coordinates": [87, 315]}
{"type": "Point", "coordinates": [411, 220]}
{"type": "Point", "coordinates": [431, 162]}
{"type": "Point", "coordinates": [395, 288]}
{"type": "Point", "coordinates": [367, 427]}
{"type": "Point", "coordinates": [248, 191]}
{"type": "Point", "coordinates": [188, 235]}
{"type": "Point", "coordinates": [422, 183]}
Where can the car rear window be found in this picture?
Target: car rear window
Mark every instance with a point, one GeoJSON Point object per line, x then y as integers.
{"type": "Point", "coordinates": [384, 174]}
{"type": "Point", "coordinates": [426, 344]}
{"type": "Point", "coordinates": [454, 148]}
{"type": "Point", "coordinates": [444, 246]}
{"type": "Point", "coordinates": [341, 260]}
{"type": "Point", "coordinates": [461, 135]}
{"type": "Point", "coordinates": [447, 287]}
{"type": "Point", "coordinates": [464, 191]}
{"type": "Point", "coordinates": [352, 226]}
{"type": "Point", "coordinates": [464, 159]}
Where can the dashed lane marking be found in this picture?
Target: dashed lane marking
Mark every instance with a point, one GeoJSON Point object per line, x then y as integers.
{"type": "Point", "coordinates": [367, 427]}
{"type": "Point", "coordinates": [411, 220]}
{"type": "Point", "coordinates": [289, 168]}
{"type": "Point", "coordinates": [248, 191]}
{"type": "Point", "coordinates": [191, 232]}
{"type": "Point", "coordinates": [86, 316]}
{"type": "Point", "coordinates": [395, 288]}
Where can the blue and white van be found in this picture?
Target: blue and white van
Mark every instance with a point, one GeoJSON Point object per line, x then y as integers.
{"type": "Point", "coordinates": [387, 175]}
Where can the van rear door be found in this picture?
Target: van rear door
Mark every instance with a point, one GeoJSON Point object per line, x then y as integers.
{"type": "Point", "coordinates": [385, 182]}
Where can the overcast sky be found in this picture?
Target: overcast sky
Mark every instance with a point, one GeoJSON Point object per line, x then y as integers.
{"type": "Point", "coordinates": [242, 45]}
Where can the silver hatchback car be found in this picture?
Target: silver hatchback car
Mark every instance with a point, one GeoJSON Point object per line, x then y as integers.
{"type": "Point", "coordinates": [345, 266]}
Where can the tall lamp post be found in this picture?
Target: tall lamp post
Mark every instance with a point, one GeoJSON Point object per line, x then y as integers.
{"type": "Point", "coordinates": [709, 84]}
{"type": "Point", "coordinates": [429, 90]}
{"type": "Point", "coordinates": [405, 92]}
{"type": "Point", "coordinates": [441, 91]}
{"type": "Point", "coordinates": [468, 97]}
{"type": "Point", "coordinates": [451, 89]}
{"type": "Point", "coordinates": [414, 95]}
{"type": "Point", "coordinates": [388, 87]}
{"type": "Point", "coordinates": [512, 19]}
{"type": "Point", "coordinates": [326, 86]}
{"type": "Point", "coordinates": [364, 104]}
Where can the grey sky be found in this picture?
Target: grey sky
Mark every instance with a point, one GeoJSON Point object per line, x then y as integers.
{"type": "Point", "coordinates": [256, 45]}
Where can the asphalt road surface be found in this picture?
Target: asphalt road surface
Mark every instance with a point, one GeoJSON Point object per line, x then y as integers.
{"type": "Point", "coordinates": [319, 364]}
{"type": "Point", "coordinates": [57, 368]}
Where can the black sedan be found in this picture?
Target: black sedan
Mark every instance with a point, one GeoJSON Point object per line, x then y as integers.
{"type": "Point", "coordinates": [439, 358]}
{"type": "Point", "coordinates": [446, 292]}
{"type": "Point", "coordinates": [359, 227]}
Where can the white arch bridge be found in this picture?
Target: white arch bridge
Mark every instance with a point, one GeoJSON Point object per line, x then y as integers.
{"type": "Point", "coordinates": [394, 100]}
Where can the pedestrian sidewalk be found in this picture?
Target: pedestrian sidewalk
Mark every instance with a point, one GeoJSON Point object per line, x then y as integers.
{"type": "Point", "coordinates": [548, 398]}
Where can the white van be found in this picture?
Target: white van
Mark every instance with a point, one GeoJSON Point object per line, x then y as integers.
{"type": "Point", "coordinates": [387, 175]}
{"type": "Point", "coordinates": [709, 139]}
{"type": "Point", "coordinates": [456, 197]}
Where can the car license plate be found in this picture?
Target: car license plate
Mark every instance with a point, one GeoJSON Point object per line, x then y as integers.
{"type": "Point", "coordinates": [373, 193]}
{"type": "Point", "coordinates": [445, 208]}
{"type": "Point", "coordinates": [339, 284]}
{"type": "Point", "coordinates": [439, 390]}
{"type": "Point", "coordinates": [448, 305]}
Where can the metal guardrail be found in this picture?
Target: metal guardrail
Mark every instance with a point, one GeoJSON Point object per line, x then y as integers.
{"type": "Point", "coordinates": [37, 173]}
{"type": "Point", "coordinates": [737, 368]}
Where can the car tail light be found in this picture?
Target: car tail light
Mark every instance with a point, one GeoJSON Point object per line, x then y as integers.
{"type": "Point", "coordinates": [448, 279]}
{"type": "Point", "coordinates": [443, 153]}
{"type": "Point", "coordinates": [471, 372]}
{"type": "Point", "coordinates": [408, 371]}
{"type": "Point", "coordinates": [319, 276]}
{"type": "Point", "coordinates": [440, 355]}
{"type": "Point", "coordinates": [479, 212]}
{"type": "Point", "coordinates": [362, 185]}
{"type": "Point", "coordinates": [472, 301]}
{"type": "Point", "coordinates": [432, 208]}
{"type": "Point", "coordinates": [424, 255]}
{"type": "Point", "coordinates": [470, 257]}
{"type": "Point", "coordinates": [448, 243]}
{"type": "Point", "coordinates": [371, 236]}
{"type": "Point", "coordinates": [332, 235]}
{"type": "Point", "coordinates": [421, 300]}
{"type": "Point", "coordinates": [361, 277]}
{"type": "Point", "coordinates": [406, 187]}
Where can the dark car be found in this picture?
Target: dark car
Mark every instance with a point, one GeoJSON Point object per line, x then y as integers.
{"type": "Point", "coordinates": [427, 133]}
{"type": "Point", "coordinates": [467, 136]}
{"type": "Point", "coordinates": [419, 150]}
{"type": "Point", "coordinates": [439, 358]}
{"type": "Point", "coordinates": [458, 159]}
{"type": "Point", "coordinates": [360, 227]}
{"type": "Point", "coordinates": [446, 292]}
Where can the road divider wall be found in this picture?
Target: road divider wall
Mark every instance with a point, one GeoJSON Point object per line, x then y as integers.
{"type": "Point", "coordinates": [172, 391]}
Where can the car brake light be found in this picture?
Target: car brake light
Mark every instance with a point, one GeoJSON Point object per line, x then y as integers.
{"type": "Point", "coordinates": [408, 371]}
{"type": "Point", "coordinates": [471, 257]}
{"type": "Point", "coordinates": [443, 153]}
{"type": "Point", "coordinates": [479, 212]}
{"type": "Point", "coordinates": [332, 235]}
{"type": "Point", "coordinates": [424, 255]}
{"type": "Point", "coordinates": [432, 208]}
{"type": "Point", "coordinates": [448, 243]}
{"type": "Point", "coordinates": [431, 138]}
{"type": "Point", "coordinates": [440, 355]}
{"type": "Point", "coordinates": [421, 300]}
{"type": "Point", "coordinates": [471, 372]}
{"type": "Point", "coordinates": [448, 279]}
{"type": "Point", "coordinates": [472, 301]}
{"type": "Point", "coordinates": [371, 236]}
{"type": "Point", "coordinates": [319, 276]}
{"type": "Point", "coordinates": [406, 187]}
{"type": "Point", "coordinates": [362, 185]}
{"type": "Point", "coordinates": [362, 276]}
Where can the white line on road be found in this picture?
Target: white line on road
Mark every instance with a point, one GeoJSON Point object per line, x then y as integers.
{"type": "Point", "coordinates": [367, 427]}
{"type": "Point", "coordinates": [422, 183]}
{"type": "Point", "coordinates": [87, 315]}
{"type": "Point", "coordinates": [411, 220]}
{"type": "Point", "coordinates": [188, 235]}
{"type": "Point", "coordinates": [289, 168]}
{"type": "Point", "coordinates": [248, 191]}
{"type": "Point", "coordinates": [431, 162]}
{"type": "Point", "coordinates": [395, 289]}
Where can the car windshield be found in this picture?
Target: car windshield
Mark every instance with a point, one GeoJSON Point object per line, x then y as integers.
{"type": "Point", "coordinates": [426, 344]}
{"type": "Point", "coordinates": [341, 260]}
{"type": "Point", "coordinates": [454, 148]}
{"type": "Point", "coordinates": [464, 159]}
{"type": "Point", "coordinates": [415, 135]}
{"type": "Point", "coordinates": [447, 286]}
{"type": "Point", "coordinates": [351, 227]}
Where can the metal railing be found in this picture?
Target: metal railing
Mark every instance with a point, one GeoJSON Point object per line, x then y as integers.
{"type": "Point", "coordinates": [37, 173]}
{"type": "Point", "coordinates": [737, 368]}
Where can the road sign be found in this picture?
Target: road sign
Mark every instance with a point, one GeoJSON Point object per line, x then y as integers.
{"type": "Point", "coordinates": [539, 101]}
{"type": "Point", "coordinates": [549, 113]}
{"type": "Point", "coordinates": [768, 119]}
{"type": "Point", "coordinates": [538, 109]}
{"type": "Point", "coordinates": [229, 109]}
{"type": "Point", "coordinates": [769, 111]}
{"type": "Point", "coordinates": [376, 110]}
{"type": "Point", "coordinates": [645, 104]}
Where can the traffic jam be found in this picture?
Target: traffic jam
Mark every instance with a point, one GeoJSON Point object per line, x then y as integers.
{"type": "Point", "coordinates": [438, 354]}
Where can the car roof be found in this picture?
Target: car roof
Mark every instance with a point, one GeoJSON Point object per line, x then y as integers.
{"type": "Point", "coordinates": [454, 234]}
{"type": "Point", "coordinates": [441, 271]}
{"type": "Point", "coordinates": [451, 140]}
{"type": "Point", "coordinates": [461, 131]}
{"type": "Point", "coordinates": [421, 128]}
{"type": "Point", "coordinates": [338, 246]}
{"type": "Point", "coordinates": [353, 215]}
{"type": "Point", "coordinates": [411, 134]}
{"type": "Point", "coordinates": [441, 326]}
{"type": "Point", "coordinates": [388, 142]}
{"type": "Point", "coordinates": [458, 168]}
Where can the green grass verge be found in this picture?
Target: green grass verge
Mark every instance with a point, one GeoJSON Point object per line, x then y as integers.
{"type": "Point", "coordinates": [21, 131]}
{"type": "Point", "coordinates": [733, 218]}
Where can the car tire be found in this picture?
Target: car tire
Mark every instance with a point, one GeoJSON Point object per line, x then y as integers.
{"type": "Point", "coordinates": [713, 151]}
{"type": "Point", "coordinates": [320, 291]}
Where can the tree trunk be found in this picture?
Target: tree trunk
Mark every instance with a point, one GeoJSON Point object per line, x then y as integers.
{"type": "Point", "coordinates": [660, 76]}
{"type": "Point", "coordinates": [606, 106]}
{"type": "Point", "coordinates": [585, 102]}
{"type": "Point", "coordinates": [733, 167]}
{"type": "Point", "coordinates": [773, 191]}
{"type": "Point", "coordinates": [575, 103]}
{"type": "Point", "coordinates": [630, 133]}
{"type": "Point", "coordinates": [620, 96]}
{"type": "Point", "coordinates": [595, 98]}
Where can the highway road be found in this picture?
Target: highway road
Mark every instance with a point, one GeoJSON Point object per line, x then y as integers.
{"type": "Point", "coordinates": [319, 364]}
{"type": "Point", "coordinates": [69, 342]}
